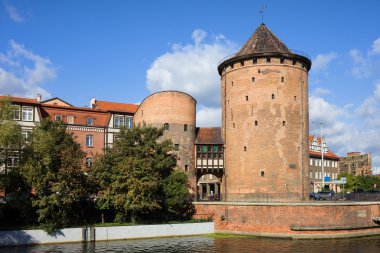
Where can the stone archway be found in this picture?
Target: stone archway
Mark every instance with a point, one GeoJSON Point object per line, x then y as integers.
{"type": "Point", "coordinates": [209, 188]}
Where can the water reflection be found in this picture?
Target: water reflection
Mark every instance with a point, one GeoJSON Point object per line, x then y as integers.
{"type": "Point", "coordinates": [202, 244]}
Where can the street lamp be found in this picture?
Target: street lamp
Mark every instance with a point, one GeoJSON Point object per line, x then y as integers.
{"type": "Point", "coordinates": [323, 168]}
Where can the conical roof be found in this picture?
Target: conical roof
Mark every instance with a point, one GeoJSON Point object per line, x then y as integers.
{"type": "Point", "coordinates": [263, 41]}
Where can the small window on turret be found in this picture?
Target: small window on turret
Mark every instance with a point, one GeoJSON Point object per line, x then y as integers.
{"type": "Point", "coordinates": [282, 60]}
{"type": "Point", "coordinates": [253, 79]}
{"type": "Point", "coordinates": [259, 71]}
{"type": "Point", "coordinates": [242, 63]}
{"type": "Point", "coordinates": [246, 98]}
{"type": "Point", "coordinates": [232, 66]}
{"type": "Point", "coordinates": [245, 148]}
{"type": "Point", "coordinates": [272, 96]}
{"type": "Point", "coordinates": [283, 123]}
{"type": "Point", "coordinates": [268, 60]}
{"type": "Point", "coordinates": [262, 173]}
{"type": "Point", "coordinates": [256, 123]}
{"type": "Point", "coordinates": [232, 83]}
{"type": "Point", "coordinates": [233, 125]}
{"type": "Point", "coordinates": [294, 62]}
{"type": "Point", "coordinates": [295, 98]}
{"type": "Point", "coordinates": [254, 61]}
{"type": "Point", "coordinates": [282, 79]}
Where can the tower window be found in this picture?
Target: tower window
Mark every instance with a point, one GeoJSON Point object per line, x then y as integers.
{"type": "Point", "coordinates": [294, 62]}
{"type": "Point", "coordinates": [166, 126]}
{"type": "Point", "coordinates": [295, 98]}
{"type": "Point", "coordinates": [268, 59]}
{"type": "Point", "coordinates": [254, 61]}
{"type": "Point", "coordinates": [232, 66]}
{"type": "Point", "coordinates": [246, 98]}
{"type": "Point", "coordinates": [282, 60]}
{"type": "Point", "coordinates": [282, 79]}
{"type": "Point", "coordinates": [272, 96]}
{"type": "Point", "coordinates": [233, 125]}
{"type": "Point", "coordinates": [186, 168]}
{"type": "Point", "coordinates": [259, 71]}
{"type": "Point", "coordinates": [232, 83]}
{"type": "Point", "coordinates": [245, 148]}
{"type": "Point", "coordinates": [242, 63]}
{"type": "Point", "coordinates": [89, 140]}
{"type": "Point", "coordinates": [228, 101]}
{"type": "Point", "coordinates": [283, 123]}
{"type": "Point", "coordinates": [185, 128]}
{"type": "Point", "coordinates": [262, 173]}
{"type": "Point", "coordinates": [253, 79]}
{"type": "Point", "coordinates": [176, 147]}
{"type": "Point", "coordinates": [256, 123]}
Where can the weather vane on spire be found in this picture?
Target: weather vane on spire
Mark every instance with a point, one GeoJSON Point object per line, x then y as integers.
{"type": "Point", "coordinates": [262, 8]}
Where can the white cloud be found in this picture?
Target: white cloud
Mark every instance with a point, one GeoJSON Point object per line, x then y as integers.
{"type": "Point", "coordinates": [192, 68]}
{"type": "Point", "coordinates": [209, 117]}
{"type": "Point", "coordinates": [322, 60]}
{"type": "Point", "coordinates": [348, 129]}
{"type": "Point", "coordinates": [320, 91]}
{"type": "Point", "coordinates": [376, 46]}
{"type": "Point", "coordinates": [13, 13]}
{"type": "Point", "coordinates": [22, 72]}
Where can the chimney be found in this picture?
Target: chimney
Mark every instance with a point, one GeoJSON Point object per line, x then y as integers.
{"type": "Point", "coordinates": [93, 103]}
{"type": "Point", "coordinates": [39, 96]}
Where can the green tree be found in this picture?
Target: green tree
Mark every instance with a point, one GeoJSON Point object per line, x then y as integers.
{"type": "Point", "coordinates": [131, 175]}
{"type": "Point", "coordinates": [17, 207]}
{"type": "Point", "coordinates": [177, 197]}
{"type": "Point", "coordinates": [53, 167]}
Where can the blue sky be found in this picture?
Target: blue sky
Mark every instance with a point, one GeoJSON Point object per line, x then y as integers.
{"type": "Point", "coordinates": [124, 50]}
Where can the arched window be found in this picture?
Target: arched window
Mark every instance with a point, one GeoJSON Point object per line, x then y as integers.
{"type": "Point", "coordinates": [166, 126]}
{"type": "Point", "coordinates": [89, 140]}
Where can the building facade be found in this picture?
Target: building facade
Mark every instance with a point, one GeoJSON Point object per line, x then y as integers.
{"type": "Point", "coordinates": [356, 163]}
{"type": "Point", "coordinates": [324, 172]}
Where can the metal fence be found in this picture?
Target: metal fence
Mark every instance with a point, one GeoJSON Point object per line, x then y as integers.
{"type": "Point", "coordinates": [285, 197]}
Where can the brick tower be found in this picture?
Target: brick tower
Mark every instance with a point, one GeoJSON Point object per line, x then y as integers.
{"type": "Point", "coordinates": [265, 120]}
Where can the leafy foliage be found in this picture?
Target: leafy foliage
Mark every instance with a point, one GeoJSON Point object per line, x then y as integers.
{"type": "Point", "coordinates": [135, 177]}
{"type": "Point", "coordinates": [365, 183]}
{"type": "Point", "coordinates": [53, 168]}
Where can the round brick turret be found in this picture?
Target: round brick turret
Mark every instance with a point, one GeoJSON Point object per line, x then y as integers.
{"type": "Point", "coordinates": [176, 112]}
{"type": "Point", "coordinates": [265, 119]}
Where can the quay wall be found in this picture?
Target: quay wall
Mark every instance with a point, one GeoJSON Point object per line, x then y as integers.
{"type": "Point", "coordinates": [294, 220]}
{"type": "Point", "coordinates": [29, 237]}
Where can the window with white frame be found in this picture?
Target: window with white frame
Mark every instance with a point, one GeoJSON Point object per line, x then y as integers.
{"type": "Point", "coordinates": [15, 112]}
{"type": "Point", "coordinates": [129, 122]}
{"type": "Point", "coordinates": [58, 117]}
{"type": "Point", "coordinates": [311, 174]}
{"type": "Point", "coordinates": [70, 119]}
{"type": "Point", "coordinates": [119, 121]}
{"type": "Point", "coordinates": [311, 161]}
{"type": "Point", "coordinates": [89, 140]}
{"type": "Point", "coordinates": [26, 134]}
{"type": "Point", "coordinates": [316, 175]}
{"type": "Point", "coordinates": [12, 160]}
{"type": "Point", "coordinates": [89, 121]}
{"type": "Point", "coordinates": [27, 113]}
{"type": "Point", "coordinates": [88, 162]}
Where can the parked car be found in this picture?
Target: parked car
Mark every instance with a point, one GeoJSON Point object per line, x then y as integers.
{"type": "Point", "coordinates": [326, 195]}
{"type": "Point", "coordinates": [314, 196]}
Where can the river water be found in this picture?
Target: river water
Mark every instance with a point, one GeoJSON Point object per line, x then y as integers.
{"type": "Point", "coordinates": [203, 244]}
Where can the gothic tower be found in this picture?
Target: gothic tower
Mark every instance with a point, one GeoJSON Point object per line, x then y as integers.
{"type": "Point", "coordinates": [265, 120]}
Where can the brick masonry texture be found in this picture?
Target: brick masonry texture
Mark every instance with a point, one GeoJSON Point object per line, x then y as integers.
{"type": "Point", "coordinates": [267, 218]}
{"type": "Point", "coordinates": [270, 156]}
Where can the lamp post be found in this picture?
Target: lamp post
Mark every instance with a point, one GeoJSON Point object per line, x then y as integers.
{"type": "Point", "coordinates": [323, 168]}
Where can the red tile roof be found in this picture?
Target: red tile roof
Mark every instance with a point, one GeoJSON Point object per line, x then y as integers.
{"type": "Point", "coordinates": [21, 100]}
{"type": "Point", "coordinates": [329, 154]}
{"type": "Point", "coordinates": [116, 107]}
{"type": "Point", "coordinates": [209, 135]}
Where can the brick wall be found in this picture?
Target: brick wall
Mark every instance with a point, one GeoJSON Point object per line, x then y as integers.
{"type": "Point", "coordinates": [278, 218]}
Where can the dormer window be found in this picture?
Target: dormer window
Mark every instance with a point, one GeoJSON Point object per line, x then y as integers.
{"type": "Point", "coordinates": [90, 121]}
{"type": "Point", "coordinates": [27, 113]}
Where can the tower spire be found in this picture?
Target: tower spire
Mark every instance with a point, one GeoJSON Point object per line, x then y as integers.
{"type": "Point", "coordinates": [262, 8]}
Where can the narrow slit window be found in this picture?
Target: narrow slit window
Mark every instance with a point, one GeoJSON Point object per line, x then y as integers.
{"type": "Point", "coordinates": [253, 79]}
{"type": "Point", "coordinates": [232, 66]}
{"type": "Point", "coordinates": [242, 63]}
{"type": "Point", "coordinates": [283, 123]}
{"type": "Point", "coordinates": [246, 98]}
{"type": "Point", "coordinates": [232, 83]}
{"type": "Point", "coordinates": [294, 62]}
{"type": "Point", "coordinates": [262, 173]}
{"type": "Point", "coordinates": [282, 79]}
{"type": "Point", "coordinates": [272, 96]}
{"type": "Point", "coordinates": [256, 123]}
{"type": "Point", "coordinates": [245, 148]}
{"type": "Point", "coordinates": [295, 98]}
{"type": "Point", "coordinates": [233, 125]}
{"type": "Point", "coordinates": [259, 71]}
{"type": "Point", "coordinates": [254, 61]}
{"type": "Point", "coordinates": [268, 60]}
{"type": "Point", "coordinates": [282, 60]}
